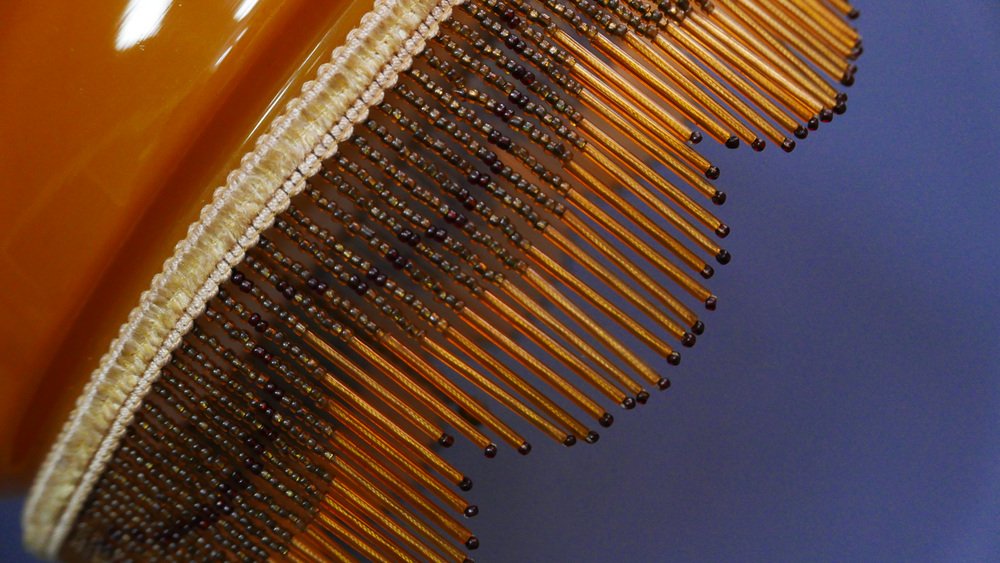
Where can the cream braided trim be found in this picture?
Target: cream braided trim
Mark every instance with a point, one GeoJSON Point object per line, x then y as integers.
{"type": "Point", "coordinates": [298, 141]}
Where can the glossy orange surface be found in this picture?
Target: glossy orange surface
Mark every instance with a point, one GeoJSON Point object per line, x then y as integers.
{"type": "Point", "coordinates": [117, 121]}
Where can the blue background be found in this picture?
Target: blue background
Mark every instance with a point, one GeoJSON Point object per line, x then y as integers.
{"type": "Point", "coordinates": [844, 403]}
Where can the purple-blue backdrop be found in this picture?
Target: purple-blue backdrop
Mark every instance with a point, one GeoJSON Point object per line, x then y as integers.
{"type": "Point", "coordinates": [844, 402]}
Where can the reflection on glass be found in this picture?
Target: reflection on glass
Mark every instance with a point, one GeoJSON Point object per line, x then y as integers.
{"type": "Point", "coordinates": [229, 48]}
{"type": "Point", "coordinates": [244, 8]}
{"type": "Point", "coordinates": [140, 21]}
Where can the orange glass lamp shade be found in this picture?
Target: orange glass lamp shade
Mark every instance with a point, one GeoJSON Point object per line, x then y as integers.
{"type": "Point", "coordinates": [118, 122]}
{"type": "Point", "coordinates": [230, 279]}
